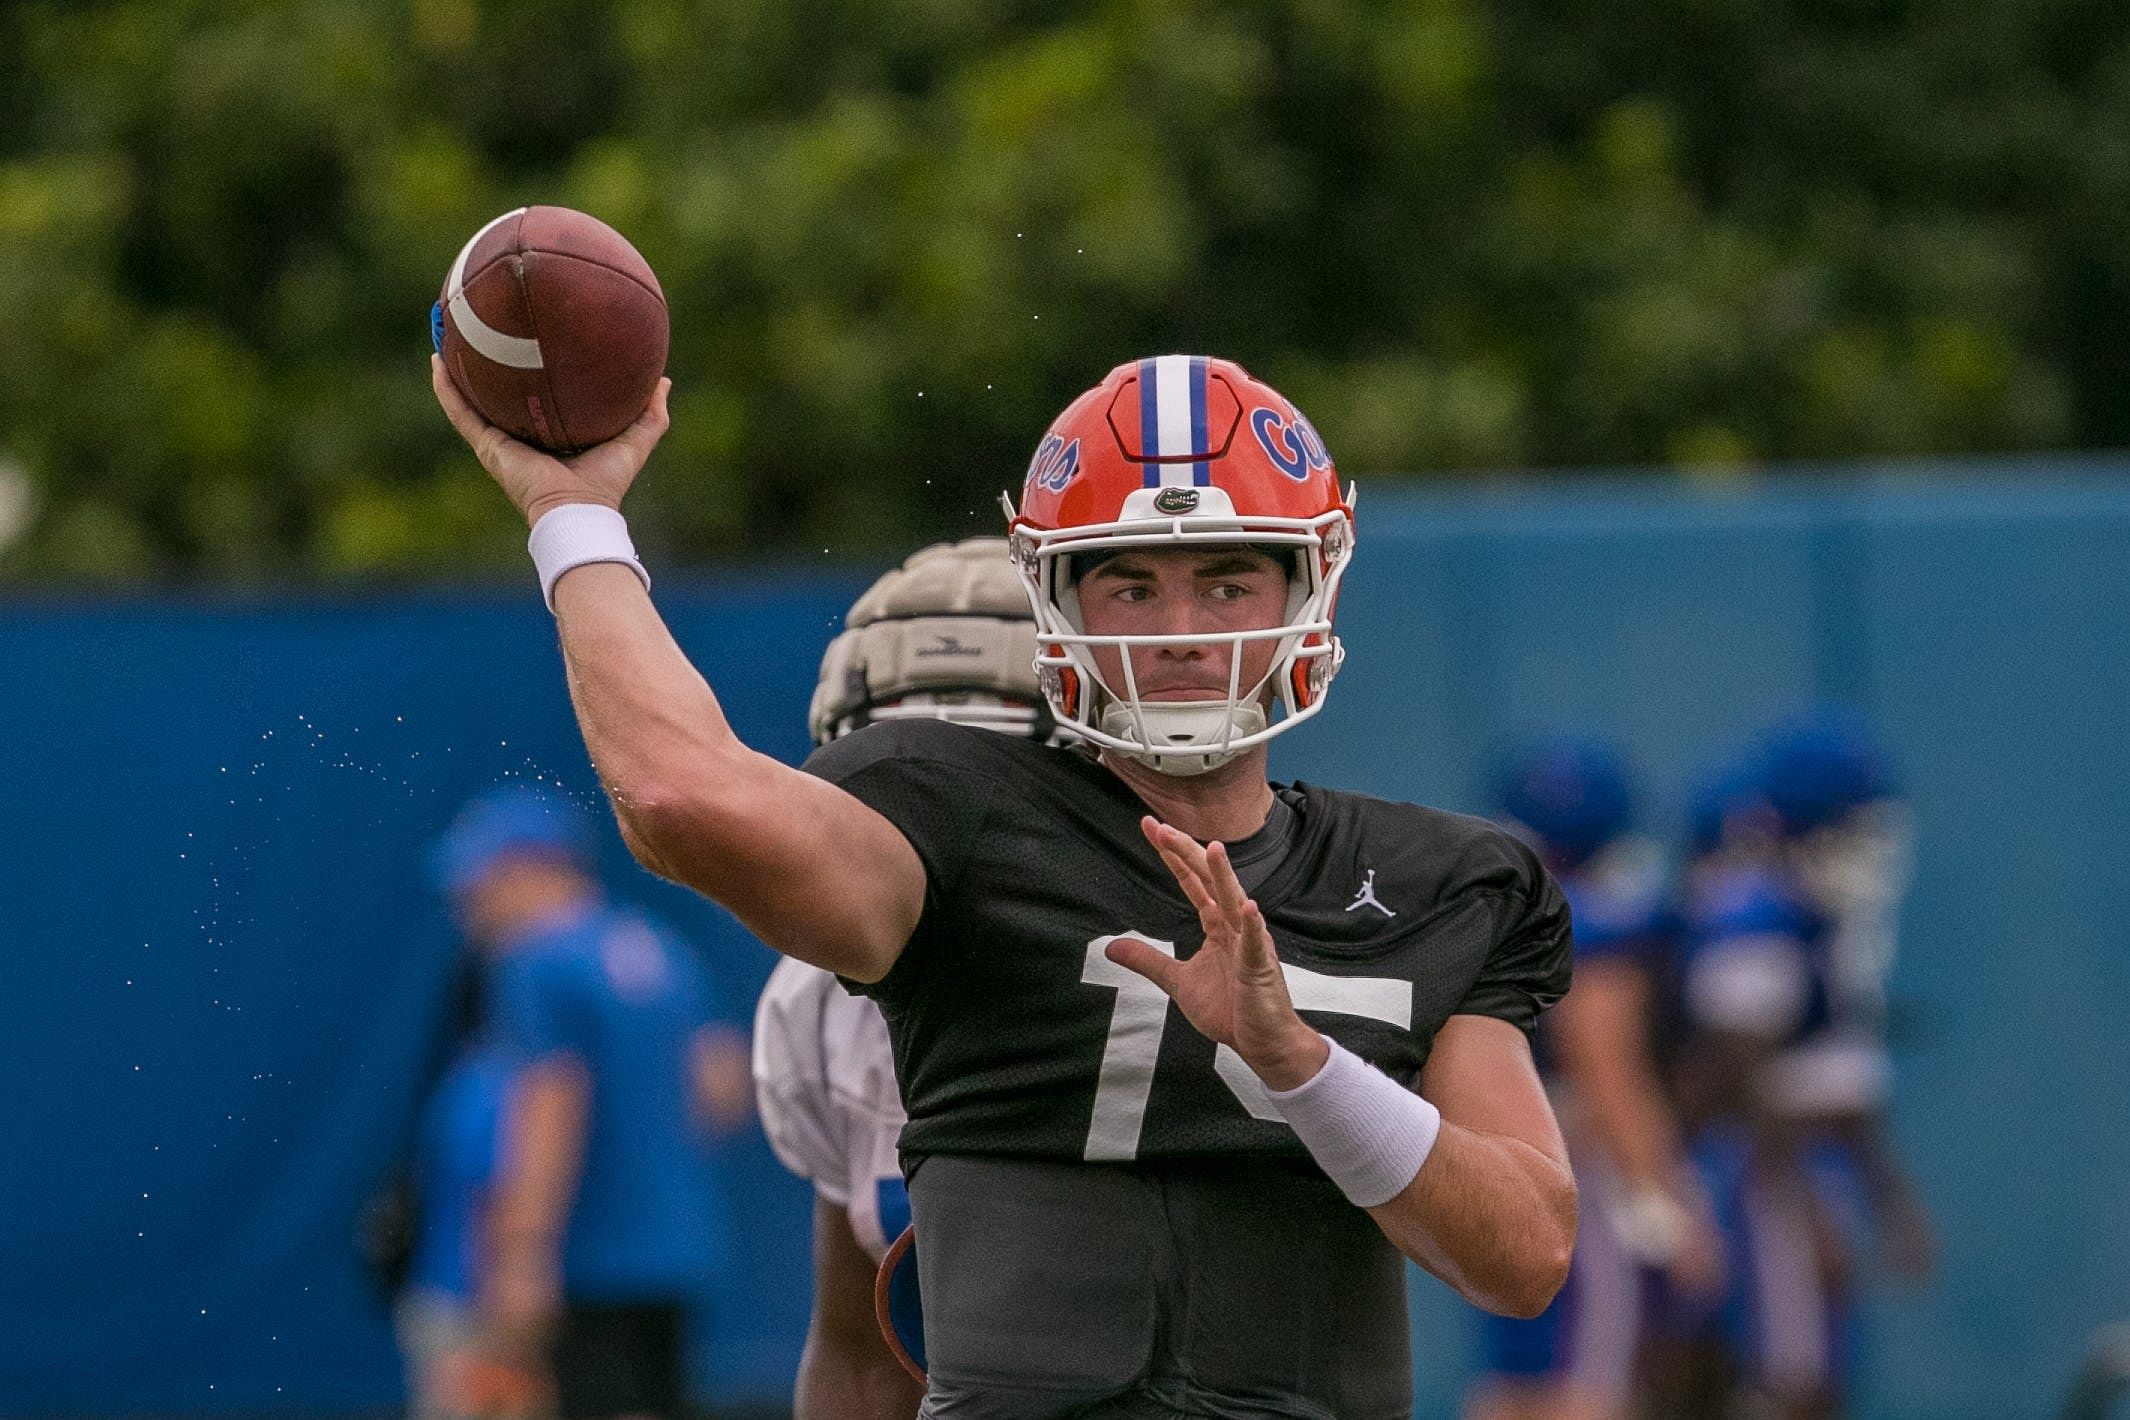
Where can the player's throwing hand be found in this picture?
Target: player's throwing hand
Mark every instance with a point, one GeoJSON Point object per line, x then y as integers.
{"type": "Point", "coordinates": [537, 481]}
{"type": "Point", "coordinates": [1232, 990]}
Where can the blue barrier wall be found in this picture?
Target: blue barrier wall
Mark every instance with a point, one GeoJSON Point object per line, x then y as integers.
{"type": "Point", "coordinates": [225, 975]}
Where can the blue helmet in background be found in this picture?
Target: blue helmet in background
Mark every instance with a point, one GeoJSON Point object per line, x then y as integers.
{"type": "Point", "coordinates": [1820, 765]}
{"type": "Point", "coordinates": [1571, 791]}
{"type": "Point", "coordinates": [513, 820]}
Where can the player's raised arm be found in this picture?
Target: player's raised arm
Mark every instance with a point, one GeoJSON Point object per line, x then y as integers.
{"type": "Point", "coordinates": [809, 869]}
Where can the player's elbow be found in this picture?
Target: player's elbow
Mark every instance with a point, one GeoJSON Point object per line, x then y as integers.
{"type": "Point", "coordinates": [1537, 1280]}
{"type": "Point", "coordinates": [1538, 1266]}
{"type": "Point", "coordinates": [640, 838]}
{"type": "Point", "coordinates": [671, 827]}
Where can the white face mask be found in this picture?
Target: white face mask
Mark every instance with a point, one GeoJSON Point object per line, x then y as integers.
{"type": "Point", "coordinates": [1860, 864]}
{"type": "Point", "coordinates": [1856, 871]}
{"type": "Point", "coordinates": [1188, 737]}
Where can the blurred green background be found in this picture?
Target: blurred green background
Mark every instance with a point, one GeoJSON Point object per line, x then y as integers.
{"type": "Point", "coordinates": [897, 235]}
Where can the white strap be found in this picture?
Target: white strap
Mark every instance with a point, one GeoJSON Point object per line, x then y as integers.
{"type": "Point", "coordinates": [1367, 1132]}
{"type": "Point", "coordinates": [575, 534]}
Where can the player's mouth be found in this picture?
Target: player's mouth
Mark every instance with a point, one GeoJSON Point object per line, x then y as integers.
{"type": "Point", "coordinates": [1184, 692]}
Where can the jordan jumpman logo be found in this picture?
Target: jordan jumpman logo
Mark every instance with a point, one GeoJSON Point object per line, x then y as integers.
{"type": "Point", "coordinates": [1366, 897]}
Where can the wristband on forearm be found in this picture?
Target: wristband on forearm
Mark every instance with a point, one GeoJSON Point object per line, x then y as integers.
{"type": "Point", "coordinates": [578, 533]}
{"type": "Point", "coordinates": [1366, 1131]}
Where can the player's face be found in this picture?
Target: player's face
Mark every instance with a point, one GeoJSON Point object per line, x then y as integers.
{"type": "Point", "coordinates": [1180, 591]}
{"type": "Point", "coordinates": [514, 890]}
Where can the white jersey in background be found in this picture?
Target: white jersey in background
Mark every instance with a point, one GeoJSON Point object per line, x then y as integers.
{"type": "Point", "coordinates": [825, 1084]}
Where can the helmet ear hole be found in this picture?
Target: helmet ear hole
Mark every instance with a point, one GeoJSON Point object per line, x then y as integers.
{"type": "Point", "coordinates": [1309, 674]}
{"type": "Point", "coordinates": [1061, 685]}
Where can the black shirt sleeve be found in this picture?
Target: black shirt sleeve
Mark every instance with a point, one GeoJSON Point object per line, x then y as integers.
{"type": "Point", "coordinates": [1527, 969]}
{"type": "Point", "coordinates": [923, 777]}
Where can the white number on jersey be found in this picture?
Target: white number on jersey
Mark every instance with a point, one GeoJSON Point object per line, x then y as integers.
{"type": "Point", "coordinates": [1141, 1014]}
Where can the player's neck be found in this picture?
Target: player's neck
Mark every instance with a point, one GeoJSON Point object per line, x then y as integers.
{"type": "Point", "coordinates": [1227, 804]}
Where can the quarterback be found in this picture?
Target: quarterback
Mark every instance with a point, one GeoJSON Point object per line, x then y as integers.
{"type": "Point", "coordinates": [1190, 1058]}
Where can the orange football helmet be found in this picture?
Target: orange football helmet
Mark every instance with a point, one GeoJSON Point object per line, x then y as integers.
{"type": "Point", "coordinates": [1182, 451]}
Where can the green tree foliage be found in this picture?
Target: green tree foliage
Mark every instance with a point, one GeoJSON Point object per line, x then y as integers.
{"type": "Point", "coordinates": [897, 235]}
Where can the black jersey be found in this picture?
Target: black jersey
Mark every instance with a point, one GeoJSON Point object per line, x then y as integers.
{"type": "Point", "coordinates": [1014, 1034]}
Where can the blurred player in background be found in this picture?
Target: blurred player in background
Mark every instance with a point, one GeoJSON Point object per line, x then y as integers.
{"type": "Point", "coordinates": [600, 1221]}
{"type": "Point", "coordinates": [946, 635]}
{"type": "Point", "coordinates": [1787, 906]}
{"type": "Point", "coordinates": [1570, 798]}
{"type": "Point", "coordinates": [452, 1172]}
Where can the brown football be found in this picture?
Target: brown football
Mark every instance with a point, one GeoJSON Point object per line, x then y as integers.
{"type": "Point", "coordinates": [553, 327]}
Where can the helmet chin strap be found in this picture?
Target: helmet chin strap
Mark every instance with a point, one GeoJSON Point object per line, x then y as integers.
{"type": "Point", "coordinates": [1183, 724]}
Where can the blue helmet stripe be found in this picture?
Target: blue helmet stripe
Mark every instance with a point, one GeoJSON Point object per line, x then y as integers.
{"type": "Point", "coordinates": [1201, 471]}
{"type": "Point", "coordinates": [1149, 423]}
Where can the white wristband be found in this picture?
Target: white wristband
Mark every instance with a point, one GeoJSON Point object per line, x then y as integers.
{"type": "Point", "coordinates": [1366, 1131]}
{"type": "Point", "coordinates": [575, 534]}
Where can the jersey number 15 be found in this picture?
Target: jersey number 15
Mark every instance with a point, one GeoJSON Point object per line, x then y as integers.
{"type": "Point", "coordinates": [1142, 1013]}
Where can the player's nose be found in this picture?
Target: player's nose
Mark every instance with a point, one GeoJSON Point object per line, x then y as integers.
{"type": "Point", "coordinates": [1175, 620]}
{"type": "Point", "coordinates": [1175, 616]}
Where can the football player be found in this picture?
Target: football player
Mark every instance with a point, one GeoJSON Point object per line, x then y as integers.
{"type": "Point", "coordinates": [1569, 797]}
{"type": "Point", "coordinates": [597, 1218]}
{"type": "Point", "coordinates": [1787, 933]}
{"type": "Point", "coordinates": [1146, 1184]}
{"type": "Point", "coordinates": [947, 635]}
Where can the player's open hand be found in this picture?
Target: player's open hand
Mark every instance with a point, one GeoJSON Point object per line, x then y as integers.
{"type": "Point", "coordinates": [536, 480]}
{"type": "Point", "coordinates": [1232, 989]}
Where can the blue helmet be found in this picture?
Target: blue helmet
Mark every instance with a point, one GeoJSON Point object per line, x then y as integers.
{"type": "Point", "coordinates": [1571, 791]}
{"type": "Point", "coordinates": [511, 820]}
{"type": "Point", "coordinates": [1820, 765]}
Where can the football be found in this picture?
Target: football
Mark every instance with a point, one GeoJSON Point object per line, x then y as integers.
{"type": "Point", "coordinates": [553, 327]}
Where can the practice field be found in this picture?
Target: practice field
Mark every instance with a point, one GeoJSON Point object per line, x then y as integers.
{"type": "Point", "coordinates": [228, 973]}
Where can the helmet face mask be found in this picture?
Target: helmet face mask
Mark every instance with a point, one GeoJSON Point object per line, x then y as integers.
{"type": "Point", "coordinates": [1848, 832]}
{"type": "Point", "coordinates": [1862, 862]}
{"type": "Point", "coordinates": [1182, 453]}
